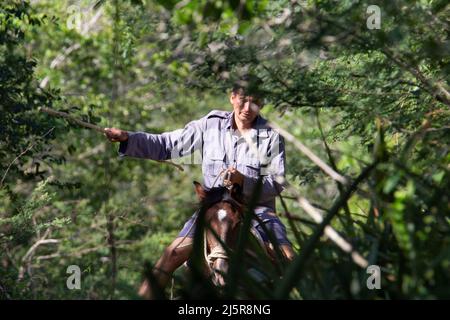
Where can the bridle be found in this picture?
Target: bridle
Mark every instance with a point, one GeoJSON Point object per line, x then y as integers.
{"type": "Point", "coordinates": [218, 252]}
{"type": "Point", "coordinates": [230, 200]}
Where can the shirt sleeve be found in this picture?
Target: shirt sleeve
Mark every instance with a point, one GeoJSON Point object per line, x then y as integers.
{"type": "Point", "coordinates": [167, 145]}
{"type": "Point", "coordinates": [273, 174]}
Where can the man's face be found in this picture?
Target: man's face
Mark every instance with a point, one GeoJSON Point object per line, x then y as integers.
{"type": "Point", "coordinates": [246, 108]}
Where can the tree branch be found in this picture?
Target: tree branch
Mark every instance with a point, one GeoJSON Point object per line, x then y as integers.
{"type": "Point", "coordinates": [295, 271]}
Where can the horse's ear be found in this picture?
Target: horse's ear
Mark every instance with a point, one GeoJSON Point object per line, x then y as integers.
{"type": "Point", "coordinates": [236, 188]}
{"type": "Point", "coordinates": [201, 193]}
{"type": "Point", "coordinates": [236, 192]}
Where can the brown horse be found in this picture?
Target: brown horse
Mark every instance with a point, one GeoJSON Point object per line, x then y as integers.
{"type": "Point", "coordinates": [224, 209]}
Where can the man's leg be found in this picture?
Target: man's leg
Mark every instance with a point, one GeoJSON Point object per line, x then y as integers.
{"type": "Point", "coordinates": [173, 257]}
{"type": "Point", "coordinates": [288, 252]}
{"type": "Point", "coordinates": [278, 230]}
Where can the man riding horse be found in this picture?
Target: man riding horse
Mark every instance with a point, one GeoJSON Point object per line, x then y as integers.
{"type": "Point", "coordinates": [222, 139]}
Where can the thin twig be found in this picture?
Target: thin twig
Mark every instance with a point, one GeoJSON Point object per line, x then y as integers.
{"type": "Point", "coordinates": [72, 118]}
{"type": "Point", "coordinates": [331, 159]}
{"type": "Point", "coordinates": [21, 154]}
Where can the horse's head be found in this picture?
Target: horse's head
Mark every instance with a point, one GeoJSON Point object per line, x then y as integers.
{"type": "Point", "coordinates": [223, 214]}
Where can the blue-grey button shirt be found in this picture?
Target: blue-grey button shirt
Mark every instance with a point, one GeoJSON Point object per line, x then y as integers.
{"type": "Point", "coordinates": [219, 146]}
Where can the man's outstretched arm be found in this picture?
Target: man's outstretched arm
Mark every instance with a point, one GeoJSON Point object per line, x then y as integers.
{"type": "Point", "coordinates": [167, 145]}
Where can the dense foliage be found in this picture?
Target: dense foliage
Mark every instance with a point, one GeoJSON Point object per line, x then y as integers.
{"type": "Point", "coordinates": [371, 103]}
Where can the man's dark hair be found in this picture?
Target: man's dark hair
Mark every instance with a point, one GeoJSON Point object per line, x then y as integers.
{"type": "Point", "coordinates": [248, 85]}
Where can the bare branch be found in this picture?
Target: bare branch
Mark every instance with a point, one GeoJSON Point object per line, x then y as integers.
{"type": "Point", "coordinates": [331, 233]}
{"type": "Point", "coordinates": [297, 267]}
{"type": "Point", "coordinates": [307, 152]}
{"type": "Point", "coordinates": [26, 259]}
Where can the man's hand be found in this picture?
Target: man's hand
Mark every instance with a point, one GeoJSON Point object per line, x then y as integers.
{"type": "Point", "coordinates": [116, 135]}
{"type": "Point", "coordinates": [234, 176]}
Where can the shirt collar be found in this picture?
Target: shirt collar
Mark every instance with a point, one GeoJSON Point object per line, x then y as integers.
{"type": "Point", "coordinates": [229, 121]}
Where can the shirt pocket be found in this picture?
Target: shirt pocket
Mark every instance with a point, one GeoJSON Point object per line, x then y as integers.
{"type": "Point", "coordinates": [251, 167]}
{"type": "Point", "coordinates": [214, 163]}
